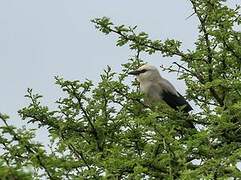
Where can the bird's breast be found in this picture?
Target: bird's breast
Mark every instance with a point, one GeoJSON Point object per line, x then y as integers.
{"type": "Point", "coordinates": [151, 90]}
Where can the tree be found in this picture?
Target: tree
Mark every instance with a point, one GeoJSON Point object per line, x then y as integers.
{"type": "Point", "coordinates": [105, 131]}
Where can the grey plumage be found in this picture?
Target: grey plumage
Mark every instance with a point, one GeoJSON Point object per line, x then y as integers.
{"type": "Point", "coordinates": [157, 88]}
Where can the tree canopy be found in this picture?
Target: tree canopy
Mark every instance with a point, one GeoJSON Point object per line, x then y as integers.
{"type": "Point", "coordinates": [105, 131]}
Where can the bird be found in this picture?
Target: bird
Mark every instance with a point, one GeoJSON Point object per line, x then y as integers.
{"type": "Point", "coordinates": [157, 88]}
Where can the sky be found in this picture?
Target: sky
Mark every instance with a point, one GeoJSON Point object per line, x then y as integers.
{"type": "Point", "coordinates": [40, 39]}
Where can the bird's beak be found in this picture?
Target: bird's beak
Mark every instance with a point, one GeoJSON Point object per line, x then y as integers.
{"type": "Point", "coordinates": [134, 72]}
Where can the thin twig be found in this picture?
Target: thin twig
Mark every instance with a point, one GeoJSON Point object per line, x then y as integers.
{"type": "Point", "coordinates": [30, 150]}
{"type": "Point", "coordinates": [198, 76]}
{"type": "Point", "coordinates": [209, 52]}
{"type": "Point", "coordinates": [133, 99]}
{"type": "Point", "coordinates": [190, 16]}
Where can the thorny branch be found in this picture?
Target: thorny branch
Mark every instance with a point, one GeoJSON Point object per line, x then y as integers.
{"type": "Point", "coordinates": [198, 76]}
{"type": "Point", "coordinates": [88, 119]}
{"type": "Point", "coordinates": [133, 99]}
{"type": "Point", "coordinates": [209, 51]}
{"type": "Point", "coordinates": [30, 150]}
{"type": "Point", "coordinates": [178, 52]}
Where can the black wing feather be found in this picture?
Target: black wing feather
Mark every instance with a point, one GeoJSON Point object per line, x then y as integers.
{"type": "Point", "coordinates": [176, 101]}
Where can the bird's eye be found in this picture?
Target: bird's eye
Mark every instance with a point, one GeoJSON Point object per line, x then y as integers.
{"type": "Point", "coordinates": [142, 71]}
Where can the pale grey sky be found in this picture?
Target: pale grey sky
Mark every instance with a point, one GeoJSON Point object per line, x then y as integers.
{"type": "Point", "coordinates": [43, 38]}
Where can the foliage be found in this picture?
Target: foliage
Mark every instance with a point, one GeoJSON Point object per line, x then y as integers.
{"type": "Point", "coordinates": [105, 131]}
{"type": "Point", "coordinates": [7, 173]}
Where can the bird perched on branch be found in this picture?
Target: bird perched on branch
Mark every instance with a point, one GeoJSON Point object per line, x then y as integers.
{"type": "Point", "coordinates": [157, 88]}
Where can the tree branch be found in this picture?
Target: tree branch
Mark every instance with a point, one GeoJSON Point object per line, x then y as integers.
{"type": "Point", "coordinates": [86, 115]}
{"type": "Point", "coordinates": [133, 99]}
{"type": "Point", "coordinates": [30, 150]}
{"type": "Point", "coordinates": [209, 52]}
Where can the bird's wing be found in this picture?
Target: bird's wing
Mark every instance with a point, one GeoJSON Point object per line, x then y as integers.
{"type": "Point", "coordinates": [175, 101]}
{"type": "Point", "coordinates": [173, 98]}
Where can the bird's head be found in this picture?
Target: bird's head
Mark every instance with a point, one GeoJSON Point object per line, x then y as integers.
{"type": "Point", "coordinates": [146, 72]}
